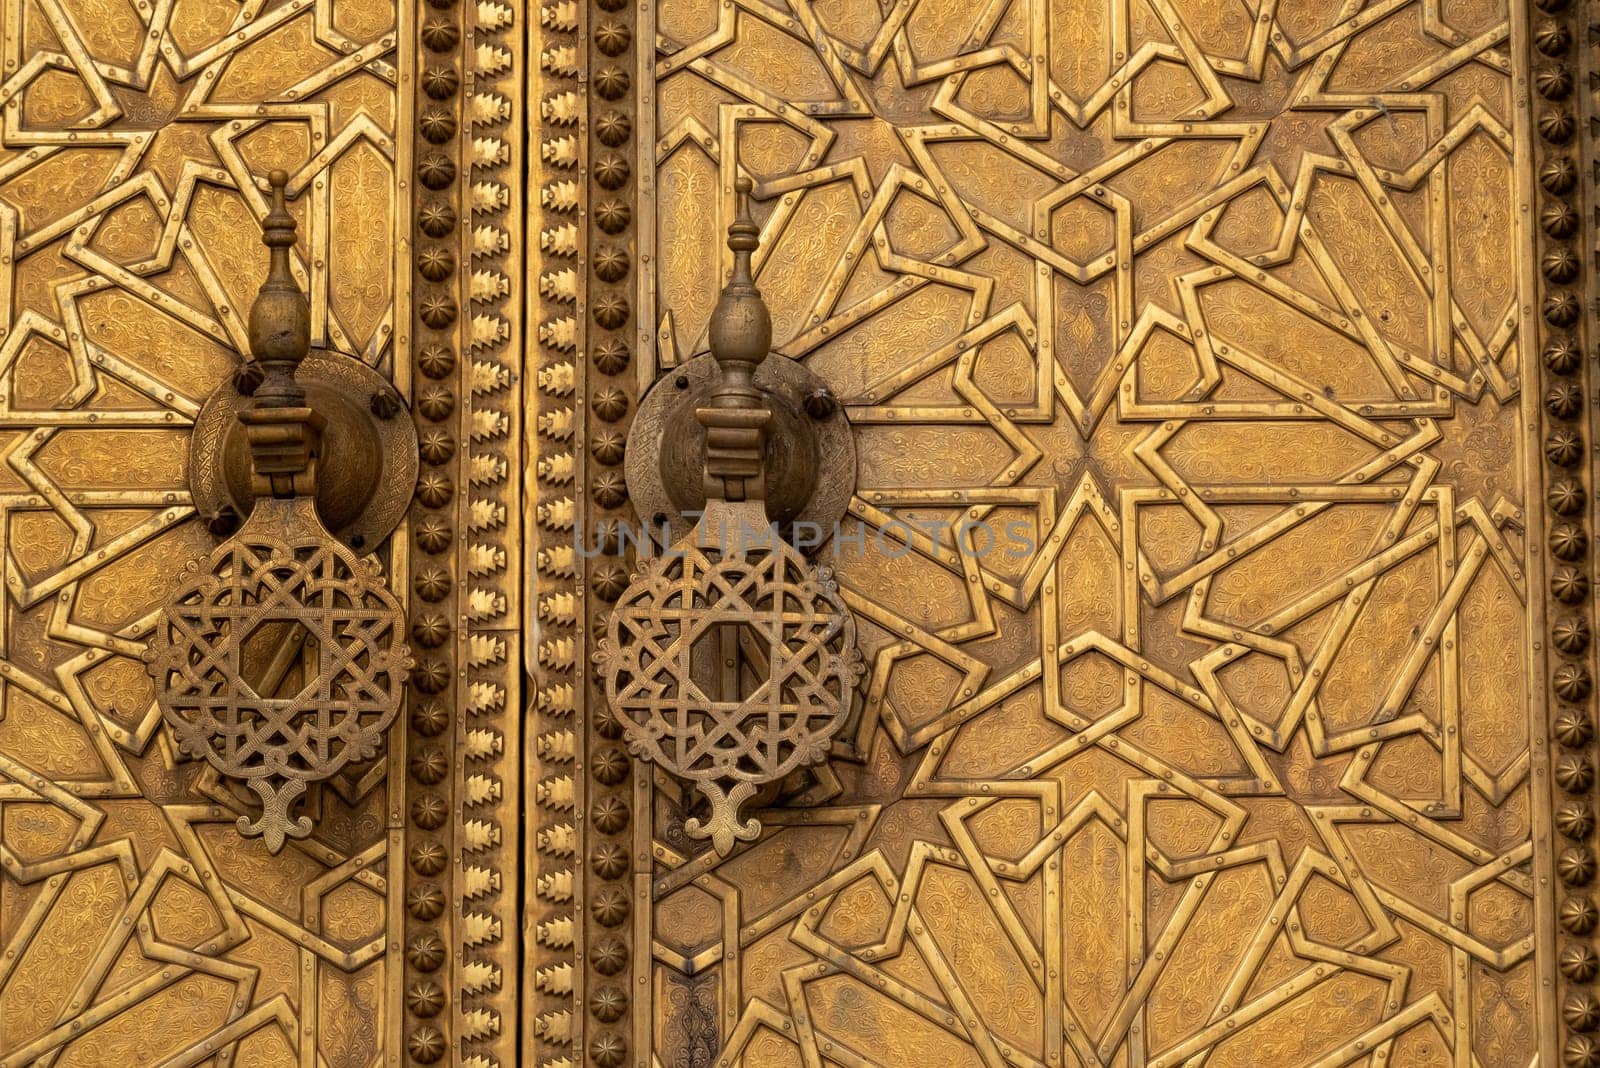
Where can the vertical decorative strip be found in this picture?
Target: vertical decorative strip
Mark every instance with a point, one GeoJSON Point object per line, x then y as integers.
{"type": "Point", "coordinates": [488, 732]}
{"type": "Point", "coordinates": [398, 994]}
{"type": "Point", "coordinates": [436, 696]}
{"type": "Point", "coordinates": [1562, 48]}
{"type": "Point", "coordinates": [643, 375]}
{"type": "Point", "coordinates": [617, 987]}
{"type": "Point", "coordinates": [552, 388]}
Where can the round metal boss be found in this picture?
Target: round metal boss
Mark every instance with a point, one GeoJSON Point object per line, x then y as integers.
{"type": "Point", "coordinates": [367, 469]}
{"type": "Point", "coordinates": [810, 460]}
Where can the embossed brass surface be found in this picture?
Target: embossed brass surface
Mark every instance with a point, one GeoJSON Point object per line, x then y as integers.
{"type": "Point", "coordinates": [1230, 310]}
{"type": "Point", "coordinates": [1270, 320]}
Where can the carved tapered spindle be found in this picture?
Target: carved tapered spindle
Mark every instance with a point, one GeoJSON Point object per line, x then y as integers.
{"type": "Point", "coordinates": [280, 319]}
{"type": "Point", "coordinates": [736, 415]}
{"type": "Point", "coordinates": [284, 433]}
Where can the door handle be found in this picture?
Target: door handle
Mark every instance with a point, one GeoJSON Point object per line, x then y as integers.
{"type": "Point", "coordinates": [280, 658]}
{"type": "Point", "coordinates": [730, 660]}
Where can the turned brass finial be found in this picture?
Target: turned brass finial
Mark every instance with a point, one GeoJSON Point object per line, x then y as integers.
{"type": "Point", "coordinates": [280, 319]}
{"type": "Point", "coordinates": [283, 432]}
{"type": "Point", "coordinates": [741, 328]}
{"type": "Point", "coordinates": [736, 415]}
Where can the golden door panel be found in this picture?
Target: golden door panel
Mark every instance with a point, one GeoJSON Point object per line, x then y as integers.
{"type": "Point", "coordinates": [1222, 324]}
{"type": "Point", "coordinates": [138, 927]}
{"type": "Point", "coordinates": [1219, 549]}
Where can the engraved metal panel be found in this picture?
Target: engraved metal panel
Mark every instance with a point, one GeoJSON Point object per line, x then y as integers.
{"type": "Point", "coordinates": [1218, 323]}
{"type": "Point", "coordinates": [137, 927]}
{"type": "Point", "coordinates": [1238, 314]}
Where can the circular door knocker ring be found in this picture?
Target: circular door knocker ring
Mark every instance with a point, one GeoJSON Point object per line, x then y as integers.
{"type": "Point", "coordinates": [684, 641]}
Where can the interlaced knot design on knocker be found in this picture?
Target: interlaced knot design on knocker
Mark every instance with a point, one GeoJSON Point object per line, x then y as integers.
{"type": "Point", "coordinates": [729, 603]}
{"type": "Point", "coordinates": [280, 659]}
{"type": "Point", "coordinates": [788, 625]}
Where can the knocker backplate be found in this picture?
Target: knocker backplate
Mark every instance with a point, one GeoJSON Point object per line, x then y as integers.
{"type": "Point", "coordinates": [367, 469]}
{"type": "Point", "coordinates": [810, 462]}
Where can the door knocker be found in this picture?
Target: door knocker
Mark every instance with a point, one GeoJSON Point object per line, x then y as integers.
{"type": "Point", "coordinates": [730, 660]}
{"type": "Point", "coordinates": [281, 658]}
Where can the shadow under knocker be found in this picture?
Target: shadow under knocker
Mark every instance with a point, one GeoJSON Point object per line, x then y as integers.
{"type": "Point", "coordinates": [731, 661]}
{"type": "Point", "coordinates": [281, 659]}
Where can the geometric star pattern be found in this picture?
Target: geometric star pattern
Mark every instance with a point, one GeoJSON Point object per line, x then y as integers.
{"type": "Point", "coordinates": [137, 927]}
{"type": "Point", "coordinates": [666, 664]}
{"type": "Point", "coordinates": [281, 582]}
{"type": "Point", "coordinates": [1206, 738]}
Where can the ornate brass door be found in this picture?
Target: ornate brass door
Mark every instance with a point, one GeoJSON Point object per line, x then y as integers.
{"type": "Point", "coordinates": [1218, 374]}
{"type": "Point", "coordinates": [136, 141]}
{"type": "Point", "coordinates": [1261, 328]}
